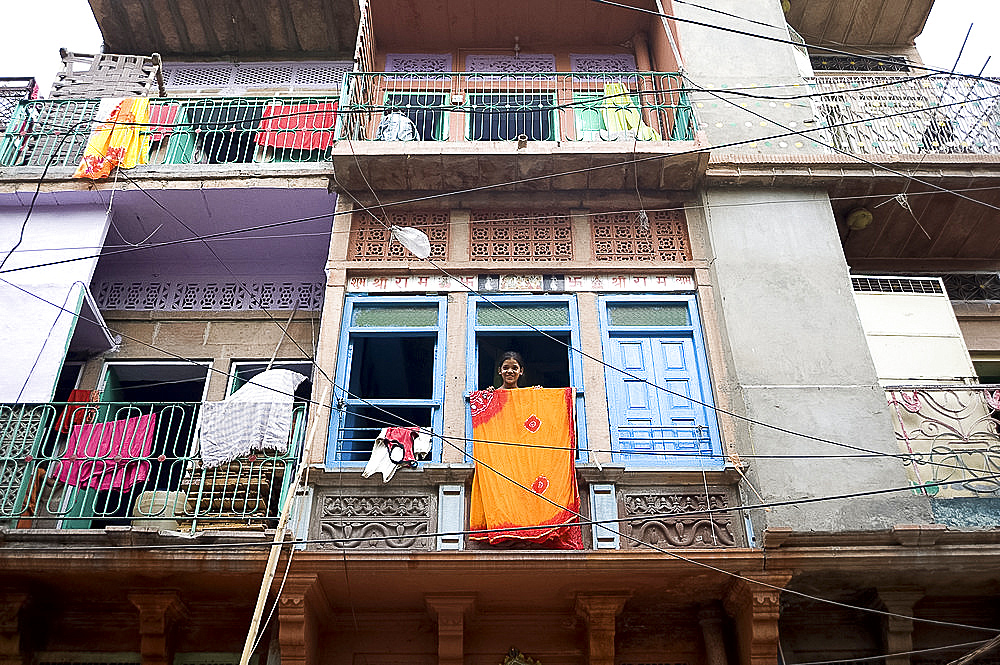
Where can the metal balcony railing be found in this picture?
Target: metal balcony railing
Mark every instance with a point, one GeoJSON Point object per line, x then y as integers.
{"type": "Point", "coordinates": [909, 115]}
{"type": "Point", "coordinates": [461, 106]}
{"type": "Point", "coordinates": [950, 435]}
{"type": "Point", "coordinates": [73, 465]}
{"type": "Point", "coordinates": [180, 131]}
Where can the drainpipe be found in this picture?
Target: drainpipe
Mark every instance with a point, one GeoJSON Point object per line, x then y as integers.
{"type": "Point", "coordinates": [643, 63]}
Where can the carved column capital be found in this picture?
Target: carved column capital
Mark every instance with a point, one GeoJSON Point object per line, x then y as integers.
{"type": "Point", "coordinates": [159, 611]}
{"type": "Point", "coordinates": [301, 604]}
{"type": "Point", "coordinates": [754, 602]}
{"type": "Point", "coordinates": [899, 629]}
{"type": "Point", "coordinates": [451, 610]}
{"type": "Point", "coordinates": [600, 611]}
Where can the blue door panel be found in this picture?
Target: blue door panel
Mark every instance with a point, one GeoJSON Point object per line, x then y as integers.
{"type": "Point", "coordinates": [644, 417]}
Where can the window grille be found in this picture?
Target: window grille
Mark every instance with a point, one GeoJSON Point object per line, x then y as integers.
{"type": "Point", "coordinates": [370, 239]}
{"type": "Point", "coordinates": [972, 286]}
{"type": "Point", "coordinates": [621, 237]}
{"type": "Point", "coordinates": [896, 284]}
{"type": "Point", "coordinates": [521, 236]}
{"type": "Point", "coordinates": [845, 63]}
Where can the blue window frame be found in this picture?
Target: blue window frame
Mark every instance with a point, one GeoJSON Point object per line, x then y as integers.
{"type": "Point", "coordinates": [543, 329]}
{"type": "Point", "coordinates": [660, 404]}
{"type": "Point", "coordinates": [390, 372]}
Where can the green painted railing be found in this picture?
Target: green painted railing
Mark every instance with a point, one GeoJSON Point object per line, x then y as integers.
{"type": "Point", "coordinates": [72, 465]}
{"type": "Point", "coordinates": [180, 131]}
{"type": "Point", "coordinates": [566, 106]}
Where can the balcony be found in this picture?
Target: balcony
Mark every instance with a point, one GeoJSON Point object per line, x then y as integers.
{"type": "Point", "coordinates": [952, 434]}
{"type": "Point", "coordinates": [205, 131]}
{"type": "Point", "coordinates": [465, 129]}
{"type": "Point", "coordinates": [93, 465]}
{"type": "Point", "coordinates": [910, 116]}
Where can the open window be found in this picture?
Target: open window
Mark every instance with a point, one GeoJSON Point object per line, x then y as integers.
{"type": "Point", "coordinates": [390, 372]}
{"type": "Point", "coordinates": [659, 394]}
{"type": "Point", "coordinates": [505, 116]}
{"type": "Point", "coordinates": [543, 329]}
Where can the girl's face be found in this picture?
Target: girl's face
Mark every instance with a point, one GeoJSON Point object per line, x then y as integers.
{"type": "Point", "coordinates": [510, 372]}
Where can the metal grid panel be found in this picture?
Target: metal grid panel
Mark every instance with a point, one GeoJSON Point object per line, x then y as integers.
{"type": "Point", "coordinates": [511, 235]}
{"type": "Point", "coordinates": [370, 239]}
{"type": "Point", "coordinates": [896, 284]}
{"type": "Point", "coordinates": [12, 91]}
{"type": "Point", "coordinates": [622, 237]}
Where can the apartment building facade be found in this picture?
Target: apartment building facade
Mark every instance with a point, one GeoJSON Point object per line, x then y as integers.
{"type": "Point", "coordinates": [760, 272]}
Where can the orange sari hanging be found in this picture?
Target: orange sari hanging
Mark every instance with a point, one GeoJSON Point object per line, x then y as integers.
{"type": "Point", "coordinates": [531, 417]}
{"type": "Point", "coordinates": [122, 141]}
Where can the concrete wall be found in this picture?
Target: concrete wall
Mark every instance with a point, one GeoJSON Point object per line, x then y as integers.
{"type": "Point", "coordinates": [800, 362]}
{"type": "Point", "coordinates": [715, 59]}
{"type": "Point", "coordinates": [38, 305]}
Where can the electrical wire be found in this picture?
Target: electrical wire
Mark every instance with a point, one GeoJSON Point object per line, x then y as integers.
{"type": "Point", "coordinates": [481, 188]}
{"type": "Point", "coordinates": [780, 40]}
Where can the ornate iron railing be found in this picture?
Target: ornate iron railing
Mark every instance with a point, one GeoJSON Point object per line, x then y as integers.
{"type": "Point", "coordinates": [90, 465]}
{"type": "Point", "coordinates": [949, 435]}
{"type": "Point", "coordinates": [577, 106]}
{"type": "Point", "coordinates": [910, 115]}
{"type": "Point", "coordinates": [212, 130]}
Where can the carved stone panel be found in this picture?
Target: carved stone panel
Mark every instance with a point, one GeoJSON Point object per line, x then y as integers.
{"type": "Point", "coordinates": [359, 521]}
{"type": "Point", "coordinates": [679, 517]}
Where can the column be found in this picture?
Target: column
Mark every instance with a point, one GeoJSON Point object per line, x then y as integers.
{"type": "Point", "coordinates": [756, 608]}
{"type": "Point", "coordinates": [600, 612]}
{"type": "Point", "coordinates": [450, 611]}
{"type": "Point", "coordinates": [710, 619]}
{"type": "Point", "coordinates": [159, 611]}
{"type": "Point", "coordinates": [899, 630]}
{"type": "Point", "coordinates": [11, 604]}
{"type": "Point", "coordinates": [301, 603]}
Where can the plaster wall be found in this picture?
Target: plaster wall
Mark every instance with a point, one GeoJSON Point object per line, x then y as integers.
{"type": "Point", "coordinates": [43, 295]}
{"type": "Point", "coordinates": [800, 362]}
{"type": "Point", "coordinates": [207, 336]}
{"type": "Point", "coordinates": [716, 60]}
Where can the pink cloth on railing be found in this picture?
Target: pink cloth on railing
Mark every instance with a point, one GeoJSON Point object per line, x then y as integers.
{"type": "Point", "coordinates": [108, 455]}
{"type": "Point", "coordinates": [299, 126]}
{"type": "Point", "coordinates": [161, 120]}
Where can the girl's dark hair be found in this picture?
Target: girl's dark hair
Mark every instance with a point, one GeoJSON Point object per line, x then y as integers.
{"type": "Point", "coordinates": [510, 355]}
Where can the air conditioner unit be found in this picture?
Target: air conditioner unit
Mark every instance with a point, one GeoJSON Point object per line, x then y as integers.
{"type": "Point", "coordinates": [911, 329]}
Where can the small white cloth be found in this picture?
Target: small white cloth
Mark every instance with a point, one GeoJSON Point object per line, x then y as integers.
{"type": "Point", "coordinates": [379, 461]}
{"type": "Point", "coordinates": [258, 416]}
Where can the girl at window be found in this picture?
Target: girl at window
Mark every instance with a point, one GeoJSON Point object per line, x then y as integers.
{"type": "Point", "coordinates": [510, 369]}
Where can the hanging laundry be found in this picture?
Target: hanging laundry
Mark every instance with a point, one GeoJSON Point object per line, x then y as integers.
{"type": "Point", "coordinates": [258, 416]}
{"type": "Point", "coordinates": [622, 119]}
{"type": "Point", "coordinates": [396, 127]}
{"type": "Point", "coordinates": [298, 126]}
{"type": "Point", "coordinates": [517, 484]}
{"type": "Point", "coordinates": [395, 448]}
{"type": "Point", "coordinates": [110, 455]}
{"type": "Point", "coordinates": [122, 140]}
{"type": "Point", "coordinates": [78, 415]}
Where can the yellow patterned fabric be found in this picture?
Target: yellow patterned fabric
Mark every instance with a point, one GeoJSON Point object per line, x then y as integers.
{"type": "Point", "coordinates": [122, 141]}
{"type": "Point", "coordinates": [622, 118]}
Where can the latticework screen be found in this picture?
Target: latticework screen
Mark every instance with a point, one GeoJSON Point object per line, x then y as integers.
{"type": "Point", "coordinates": [623, 237]}
{"type": "Point", "coordinates": [371, 241]}
{"type": "Point", "coordinates": [520, 236]}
